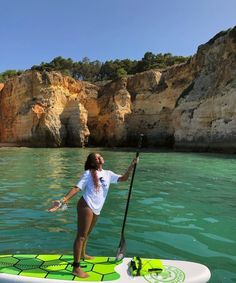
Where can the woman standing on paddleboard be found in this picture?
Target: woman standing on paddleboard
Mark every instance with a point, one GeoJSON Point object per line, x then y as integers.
{"type": "Point", "coordinates": [94, 184]}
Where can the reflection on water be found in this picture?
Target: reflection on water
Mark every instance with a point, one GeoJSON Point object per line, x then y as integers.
{"type": "Point", "coordinates": [182, 206]}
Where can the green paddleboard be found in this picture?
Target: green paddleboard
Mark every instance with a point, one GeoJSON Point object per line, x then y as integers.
{"type": "Point", "coordinates": [51, 268]}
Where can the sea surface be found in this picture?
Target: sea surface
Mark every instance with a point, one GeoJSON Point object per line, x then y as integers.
{"type": "Point", "coordinates": [183, 206]}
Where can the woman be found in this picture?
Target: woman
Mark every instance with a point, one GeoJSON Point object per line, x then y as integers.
{"type": "Point", "coordinates": [94, 184]}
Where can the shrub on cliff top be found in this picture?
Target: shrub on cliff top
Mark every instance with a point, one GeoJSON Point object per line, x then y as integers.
{"type": "Point", "coordinates": [9, 74]}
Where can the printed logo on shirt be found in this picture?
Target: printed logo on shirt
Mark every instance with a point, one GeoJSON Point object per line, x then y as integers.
{"type": "Point", "coordinates": [103, 183]}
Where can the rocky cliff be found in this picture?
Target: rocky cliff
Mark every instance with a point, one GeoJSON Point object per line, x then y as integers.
{"type": "Point", "coordinates": [46, 109]}
{"type": "Point", "coordinates": [191, 106]}
{"type": "Point", "coordinates": [205, 113]}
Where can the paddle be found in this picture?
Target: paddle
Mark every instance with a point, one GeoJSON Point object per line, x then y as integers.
{"type": "Point", "coordinates": [122, 246]}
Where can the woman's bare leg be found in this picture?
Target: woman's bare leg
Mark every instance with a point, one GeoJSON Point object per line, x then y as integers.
{"type": "Point", "coordinates": [85, 220]}
{"type": "Point", "coordinates": [83, 254]}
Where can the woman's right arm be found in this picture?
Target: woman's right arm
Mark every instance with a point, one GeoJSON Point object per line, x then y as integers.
{"type": "Point", "coordinates": [58, 203]}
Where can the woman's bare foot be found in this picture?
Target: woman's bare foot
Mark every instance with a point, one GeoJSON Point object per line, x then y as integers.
{"type": "Point", "coordinates": [77, 271]}
{"type": "Point", "coordinates": [88, 257]}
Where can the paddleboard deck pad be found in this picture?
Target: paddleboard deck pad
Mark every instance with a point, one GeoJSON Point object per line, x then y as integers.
{"type": "Point", "coordinates": [32, 268]}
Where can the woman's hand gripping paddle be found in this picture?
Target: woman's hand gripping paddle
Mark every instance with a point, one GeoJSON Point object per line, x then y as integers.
{"type": "Point", "coordinates": [122, 246]}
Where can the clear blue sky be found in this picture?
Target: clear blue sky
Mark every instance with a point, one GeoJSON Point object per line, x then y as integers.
{"type": "Point", "coordinates": [35, 31]}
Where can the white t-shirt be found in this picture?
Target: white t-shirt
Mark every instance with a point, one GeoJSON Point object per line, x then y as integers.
{"type": "Point", "coordinates": [95, 199]}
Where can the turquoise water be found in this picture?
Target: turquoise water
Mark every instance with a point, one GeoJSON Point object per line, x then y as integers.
{"type": "Point", "coordinates": [182, 207]}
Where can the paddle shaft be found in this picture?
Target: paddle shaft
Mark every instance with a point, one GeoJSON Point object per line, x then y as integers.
{"type": "Point", "coordinates": [121, 249]}
{"type": "Point", "coordinates": [130, 187]}
{"type": "Point", "coordinates": [129, 195]}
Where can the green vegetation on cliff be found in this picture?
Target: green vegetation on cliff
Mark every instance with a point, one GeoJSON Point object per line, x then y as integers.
{"type": "Point", "coordinates": [97, 71]}
{"type": "Point", "coordinates": [8, 74]}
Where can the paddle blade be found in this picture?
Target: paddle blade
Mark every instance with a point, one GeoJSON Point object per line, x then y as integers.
{"type": "Point", "coordinates": [121, 249]}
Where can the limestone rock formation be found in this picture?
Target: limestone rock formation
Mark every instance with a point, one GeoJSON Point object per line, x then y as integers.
{"type": "Point", "coordinates": [205, 113]}
{"type": "Point", "coordinates": [1, 86]}
{"type": "Point", "coordinates": [191, 106]}
{"type": "Point", "coordinates": [46, 110]}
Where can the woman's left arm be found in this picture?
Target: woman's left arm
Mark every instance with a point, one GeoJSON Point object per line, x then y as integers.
{"type": "Point", "coordinates": [125, 176]}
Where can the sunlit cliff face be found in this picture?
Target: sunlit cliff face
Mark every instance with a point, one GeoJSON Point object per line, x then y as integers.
{"type": "Point", "coordinates": [188, 106]}
{"type": "Point", "coordinates": [1, 86]}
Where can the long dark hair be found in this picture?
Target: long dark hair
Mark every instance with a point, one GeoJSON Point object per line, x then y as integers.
{"type": "Point", "coordinates": [92, 165]}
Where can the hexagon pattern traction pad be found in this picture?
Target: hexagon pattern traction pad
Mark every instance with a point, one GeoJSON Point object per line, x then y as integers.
{"type": "Point", "coordinates": [58, 267]}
